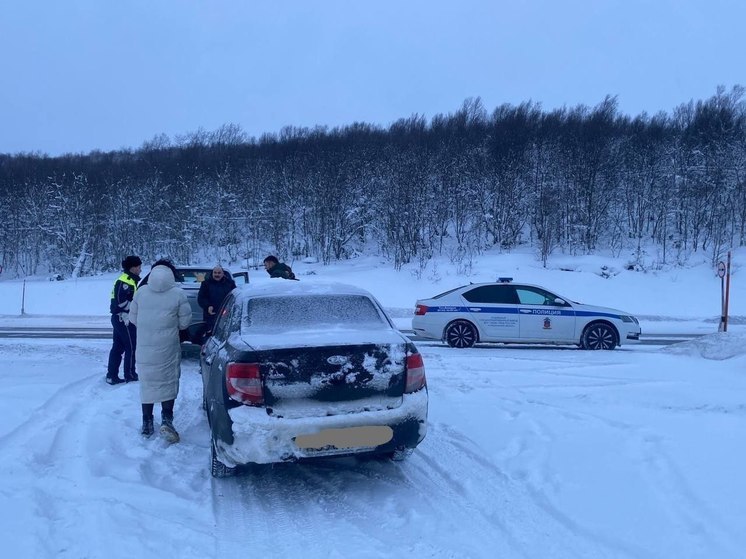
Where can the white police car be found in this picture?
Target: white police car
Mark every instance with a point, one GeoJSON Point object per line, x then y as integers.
{"type": "Point", "coordinates": [519, 313]}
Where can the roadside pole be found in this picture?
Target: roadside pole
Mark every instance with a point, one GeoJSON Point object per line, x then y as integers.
{"type": "Point", "coordinates": [23, 298]}
{"type": "Point", "coordinates": [723, 270]}
{"type": "Point", "coordinates": [727, 295]}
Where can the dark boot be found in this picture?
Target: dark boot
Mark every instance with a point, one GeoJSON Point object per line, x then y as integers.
{"type": "Point", "coordinates": [147, 426]}
{"type": "Point", "coordinates": [167, 428]}
{"type": "Point", "coordinates": [131, 378]}
{"type": "Point", "coordinates": [113, 380]}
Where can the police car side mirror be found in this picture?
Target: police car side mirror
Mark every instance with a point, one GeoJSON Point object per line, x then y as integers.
{"type": "Point", "coordinates": [560, 302]}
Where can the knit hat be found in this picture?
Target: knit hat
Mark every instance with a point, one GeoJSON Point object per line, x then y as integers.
{"type": "Point", "coordinates": [131, 262]}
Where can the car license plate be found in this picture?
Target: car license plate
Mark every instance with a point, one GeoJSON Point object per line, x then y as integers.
{"type": "Point", "coordinates": [349, 437]}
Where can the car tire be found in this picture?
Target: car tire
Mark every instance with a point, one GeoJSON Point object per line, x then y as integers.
{"type": "Point", "coordinates": [397, 455]}
{"type": "Point", "coordinates": [400, 454]}
{"type": "Point", "coordinates": [461, 334]}
{"type": "Point", "coordinates": [217, 468]}
{"type": "Point", "coordinates": [598, 335]}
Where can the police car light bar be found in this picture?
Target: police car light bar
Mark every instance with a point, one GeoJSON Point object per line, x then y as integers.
{"type": "Point", "coordinates": [504, 280]}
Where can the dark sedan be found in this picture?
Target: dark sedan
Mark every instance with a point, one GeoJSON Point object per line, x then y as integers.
{"type": "Point", "coordinates": [301, 370]}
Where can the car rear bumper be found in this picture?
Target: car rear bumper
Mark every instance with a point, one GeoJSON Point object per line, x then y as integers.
{"type": "Point", "coordinates": [423, 333]}
{"type": "Point", "coordinates": [262, 439]}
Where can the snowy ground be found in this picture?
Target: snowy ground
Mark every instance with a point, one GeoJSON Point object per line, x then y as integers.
{"type": "Point", "coordinates": [531, 452]}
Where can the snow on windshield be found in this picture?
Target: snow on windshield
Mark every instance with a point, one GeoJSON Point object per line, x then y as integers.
{"type": "Point", "coordinates": [312, 311]}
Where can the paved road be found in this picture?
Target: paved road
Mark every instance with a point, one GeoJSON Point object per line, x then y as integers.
{"type": "Point", "coordinates": [55, 332]}
{"type": "Point", "coordinates": [78, 333]}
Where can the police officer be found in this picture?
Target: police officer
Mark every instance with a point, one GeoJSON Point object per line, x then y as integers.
{"type": "Point", "coordinates": [124, 333]}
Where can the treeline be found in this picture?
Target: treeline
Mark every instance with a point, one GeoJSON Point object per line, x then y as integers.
{"type": "Point", "coordinates": [574, 180]}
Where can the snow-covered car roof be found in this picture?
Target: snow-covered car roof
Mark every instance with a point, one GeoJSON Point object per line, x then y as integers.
{"type": "Point", "coordinates": [289, 288]}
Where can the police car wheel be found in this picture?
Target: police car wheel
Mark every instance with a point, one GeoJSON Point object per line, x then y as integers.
{"type": "Point", "coordinates": [598, 336]}
{"type": "Point", "coordinates": [461, 334]}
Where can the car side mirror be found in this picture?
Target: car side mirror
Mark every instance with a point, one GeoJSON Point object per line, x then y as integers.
{"type": "Point", "coordinates": [560, 302]}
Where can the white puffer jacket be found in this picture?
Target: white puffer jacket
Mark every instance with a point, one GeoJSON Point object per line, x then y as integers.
{"type": "Point", "coordinates": [159, 310]}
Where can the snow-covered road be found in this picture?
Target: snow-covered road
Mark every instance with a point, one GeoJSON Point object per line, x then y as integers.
{"type": "Point", "coordinates": [637, 453]}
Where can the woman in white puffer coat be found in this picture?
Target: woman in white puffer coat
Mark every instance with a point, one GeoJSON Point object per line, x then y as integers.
{"type": "Point", "coordinates": [159, 310]}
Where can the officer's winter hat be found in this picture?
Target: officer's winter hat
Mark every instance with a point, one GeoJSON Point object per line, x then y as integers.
{"type": "Point", "coordinates": [131, 262]}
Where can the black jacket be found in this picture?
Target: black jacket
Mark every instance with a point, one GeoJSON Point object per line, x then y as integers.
{"type": "Point", "coordinates": [281, 270]}
{"type": "Point", "coordinates": [123, 292]}
{"type": "Point", "coordinates": [212, 294]}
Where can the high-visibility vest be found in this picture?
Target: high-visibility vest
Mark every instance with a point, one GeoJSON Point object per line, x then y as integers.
{"type": "Point", "coordinates": [125, 278]}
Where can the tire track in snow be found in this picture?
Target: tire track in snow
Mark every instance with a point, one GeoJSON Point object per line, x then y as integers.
{"type": "Point", "coordinates": [534, 512]}
{"type": "Point", "coordinates": [664, 479]}
{"type": "Point", "coordinates": [89, 455]}
{"type": "Point", "coordinates": [317, 509]}
{"type": "Point", "coordinates": [691, 512]}
{"type": "Point", "coordinates": [531, 525]}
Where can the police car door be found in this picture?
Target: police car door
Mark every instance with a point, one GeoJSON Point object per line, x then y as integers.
{"type": "Point", "coordinates": [494, 309]}
{"type": "Point", "coordinates": [544, 316]}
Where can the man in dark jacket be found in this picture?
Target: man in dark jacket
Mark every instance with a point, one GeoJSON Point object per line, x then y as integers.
{"type": "Point", "coordinates": [277, 269]}
{"type": "Point", "coordinates": [212, 293]}
{"type": "Point", "coordinates": [124, 333]}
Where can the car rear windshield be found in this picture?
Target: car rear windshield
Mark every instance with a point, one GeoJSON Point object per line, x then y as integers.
{"type": "Point", "coordinates": [439, 295]}
{"type": "Point", "coordinates": [313, 311]}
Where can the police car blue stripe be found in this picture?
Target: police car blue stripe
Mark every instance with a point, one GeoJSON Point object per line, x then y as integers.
{"type": "Point", "coordinates": [522, 310]}
{"type": "Point", "coordinates": [502, 310]}
{"type": "Point", "coordinates": [592, 313]}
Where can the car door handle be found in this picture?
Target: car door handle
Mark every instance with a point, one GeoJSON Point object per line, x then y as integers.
{"type": "Point", "coordinates": [475, 309]}
{"type": "Point", "coordinates": [211, 355]}
{"type": "Point", "coordinates": [207, 357]}
{"type": "Point", "coordinates": [525, 311]}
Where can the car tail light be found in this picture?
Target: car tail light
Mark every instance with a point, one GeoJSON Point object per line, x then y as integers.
{"type": "Point", "coordinates": [415, 373]}
{"type": "Point", "coordinates": [419, 310]}
{"type": "Point", "coordinates": [244, 383]}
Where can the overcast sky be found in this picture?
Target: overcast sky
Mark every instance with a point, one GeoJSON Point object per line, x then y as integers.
{"type": "Point", "coordinates": [79, 75]}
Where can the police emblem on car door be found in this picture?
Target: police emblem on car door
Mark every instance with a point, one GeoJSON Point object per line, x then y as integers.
{"type": "Point", "coordinates": [544, 316]}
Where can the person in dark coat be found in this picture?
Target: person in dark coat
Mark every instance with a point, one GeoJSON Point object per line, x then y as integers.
{"type": "Point", "coordinates": [212, 293]}
{"type": "Point", "coordinates": [124, 332]}
{"type": "Point", "coordinates": [277, 269]}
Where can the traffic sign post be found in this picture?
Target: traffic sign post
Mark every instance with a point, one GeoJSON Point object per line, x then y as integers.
{"type": "Point", "coordinates": [723, 270]}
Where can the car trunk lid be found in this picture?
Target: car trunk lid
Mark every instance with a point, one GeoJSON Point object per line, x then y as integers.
{"type": "Point", "coordinates": [332, 379]}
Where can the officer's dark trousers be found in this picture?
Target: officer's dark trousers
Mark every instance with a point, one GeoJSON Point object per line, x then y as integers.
{"type": "Point", "coordinates": [124, 342]}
